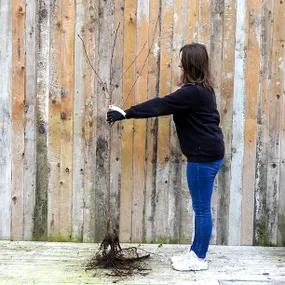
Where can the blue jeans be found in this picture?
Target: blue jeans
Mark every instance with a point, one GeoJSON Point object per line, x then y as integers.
{"type": "Point", "coordinates": [200, 178]}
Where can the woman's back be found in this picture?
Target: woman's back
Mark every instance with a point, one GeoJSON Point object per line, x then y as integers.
{"type": "Point", "coordinates": [201, 138]}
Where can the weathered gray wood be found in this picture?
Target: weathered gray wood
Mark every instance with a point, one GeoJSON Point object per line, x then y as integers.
{"type": "Point", "coordinates": [215, 60]}
{"type": "Point", "coordinates": [226, 107]}
{"type": "Point", "coordinates": [238, 128]}
{"type": "Point", "coordinates": [63, 263]}
{"type": "Point", "coordinates": [161, 214]}
{"type": "Point", "coordinates": [187, 215]}
{"type": "Point", "coordinates": [150, 172]}
{"type": "Point", "coordinates": [102, 168]}
{"type": "Point", "coordinates": [268, 167]}
{"type": "Point", "coordinates": [271, 206]}
{"type": "Point", "coordinates": [139, 137]}
{"type": "Point", "coordinates": [116, 85]}
{"type": "Point", "coordinates": [5, 117]}
{"type": "Point", "coordinates": [281, 67]}
{"type": "Point", "coordinates": [43, 45]}
{"type": "Point", "coordinates": [276, 127]}
{"type": "Point", "coordinates": [30, 119]}
{"type": "Point", "coordinates": [90, 36]}
{"type": "Point", "coordinates": [151, 127]}
{"type": "Point", "coordinates": [174, 191]}
{"type": "Point", "coordinates": [261, 216]}
{"type": "Point", "coordinates": [281, 202]}
{"type": "Point", "coordinates": [127, 125]}
{"type": "Point", "coordinates": [78, 135]}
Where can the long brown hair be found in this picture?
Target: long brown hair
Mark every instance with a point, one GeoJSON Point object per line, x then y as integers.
{"type": "Point", "coordinates": [195, 65]}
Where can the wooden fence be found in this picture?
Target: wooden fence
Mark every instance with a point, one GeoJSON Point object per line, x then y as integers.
{"type": "Point", "coordinates": [64, 172]}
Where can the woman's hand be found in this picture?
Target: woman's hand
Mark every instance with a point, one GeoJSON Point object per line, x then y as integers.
{"type": "Point", "coordinates": [114, 114]}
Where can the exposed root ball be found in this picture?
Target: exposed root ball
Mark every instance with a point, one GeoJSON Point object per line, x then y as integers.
{"type": "Point", "coordinates": [122, 262]}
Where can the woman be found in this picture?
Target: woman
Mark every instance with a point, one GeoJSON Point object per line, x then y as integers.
{"type": "Point", "coordinates": [197, 119]}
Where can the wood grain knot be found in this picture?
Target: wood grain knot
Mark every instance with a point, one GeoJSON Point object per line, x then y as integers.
{"type": "Point", "coordinates": [63, 115]}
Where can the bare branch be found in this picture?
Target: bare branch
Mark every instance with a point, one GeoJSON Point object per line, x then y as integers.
{"type": "Point", "coordinates": [133, 61]}
{"type": "Point", "coordinates": [144, 63]}
{"type": "Point", "coordinates": [105, 88]}
{"type": "Point", "coordinates": [112, 55]}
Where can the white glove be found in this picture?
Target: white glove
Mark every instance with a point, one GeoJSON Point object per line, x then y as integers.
{"type": "Point", "coordinates": [115, 114]}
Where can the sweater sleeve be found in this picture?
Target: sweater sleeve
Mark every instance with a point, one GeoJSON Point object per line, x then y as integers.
{"type": "Point", "coordinates": [178, 101]}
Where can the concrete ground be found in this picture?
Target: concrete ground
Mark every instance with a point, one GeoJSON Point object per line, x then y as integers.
{"type": "Point", "coordinates": [24, 262]}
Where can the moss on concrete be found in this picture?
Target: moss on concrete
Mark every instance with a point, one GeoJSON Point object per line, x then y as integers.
{"type": "Point", "coordinates": [165, 240]}
{"type": "Point", "coordinates": [57, 238]}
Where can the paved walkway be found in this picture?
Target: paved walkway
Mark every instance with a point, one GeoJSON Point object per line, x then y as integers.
{"type": "Point", "coordinates": [62, 263]}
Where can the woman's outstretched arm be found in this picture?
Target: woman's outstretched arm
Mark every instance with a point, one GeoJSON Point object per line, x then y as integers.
{"type": "Point", "coordinates": [176, 102]}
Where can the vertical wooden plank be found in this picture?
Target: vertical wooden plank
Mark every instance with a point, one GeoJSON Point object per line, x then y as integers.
{"type": "Point", "coordinates": [102, 173]}
{"type": "Point", "coordinates": [78, 135]}
{"type": "Point", "coordinates": [187, 217]}
{"type": "Point", "coordinates": [151, 127]}
{"type": "Point", "coordinates": [54, 121]}
{"type": "Point", "coordinates": [127, 125]}
{"type": "Point", "coordinates": [238, 126]}
{"type": "Point", "coordinates": [30, 121]}
{"type": "Point", "coordinates": [199, 20]}
{"type": "Point", "coordinates": [42, 69]}
{"type": "Point", "coordinates": [163, 140]}
{"type": "Point", "coordinates": [67, 81]}
{"type": "Point", "coordinates": [261, 215]}
{"type": "Point", "coordinates": [268, 187]}
{"type": "Point", "coordinates": [18, 97]}
{"type": "Point", "coordinates": [204, 25]}
{"type": "Point", "coordinates": [174, 192]}
{"type": "Point", "coordinates": [216, 46]}
{"type": "Point", "coordinates": [192, 7]}
{"type": "Point", "coordinates": [140, 125]}
{"type": "Point", "coordinates": [272, 196]}
{"type": "Point", "coordinates": [281, 66]}
{"type": "Point", "coordinates": [116, 87]}
{"type": "Point", "coordinates": [215, 52]}
{"type": "Point", "coordinates": [5, 115]}
{"type": "Point", "coordinates": [274, 123]}
{"type": "Point", "coordinates": [226, 113]}
{"type": "Point", "coordinates": [90, 34]}
{"type": "Point", "coordinates": [281, 201]}
{"type": "Point", "coordinates": [252, 74]}
{"type": "Point", "coordinates": [60, 118]}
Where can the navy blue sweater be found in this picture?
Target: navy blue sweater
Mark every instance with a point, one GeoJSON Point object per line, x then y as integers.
{"type": "Point", "coordinates": [196, 118]}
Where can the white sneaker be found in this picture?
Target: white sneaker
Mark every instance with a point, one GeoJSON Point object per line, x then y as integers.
{"type": "Point", "coordinates": [190, 261]}
{"type": "Point", "coordinates": [181, 256]}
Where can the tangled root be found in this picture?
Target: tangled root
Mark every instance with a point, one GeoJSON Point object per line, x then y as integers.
{"type": "Point", "coordinates": [122, 262]}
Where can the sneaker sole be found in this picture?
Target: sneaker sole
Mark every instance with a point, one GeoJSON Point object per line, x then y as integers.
{"type": "Point", "coordinates": [181, 268]}
{"type": "Point", "coordinates": [188, 269]}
